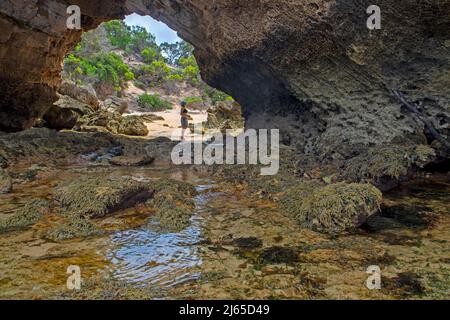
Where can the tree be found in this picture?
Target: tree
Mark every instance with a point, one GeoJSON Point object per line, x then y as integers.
{"type": "Point", "coordinates": [131, 39]}
{"type": "Point", "coordinates": [173, 52]}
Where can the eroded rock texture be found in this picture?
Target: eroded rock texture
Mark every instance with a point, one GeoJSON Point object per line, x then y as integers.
{"type": "Point", "coordinates": [308, 67]}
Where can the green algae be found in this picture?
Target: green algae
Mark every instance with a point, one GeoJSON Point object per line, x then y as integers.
{"type": "Point", "coordinates": [25, 216]}
{"type": "Point", "coordinates": [76, 227]}
{"type": "Point", "coordinates": [173, 205]}
{"type": "Point", "coordinates": [334, 208]}
{"type": "Point", "coordinates": [97, 196]}
{"type": "Point", "coordinates": [389, 160]}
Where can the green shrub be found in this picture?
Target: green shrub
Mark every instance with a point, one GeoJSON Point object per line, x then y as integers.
{"type": "Point", "coordinates": [107, 67]}
{"type": "Point", "coordinates": [158, 70]}
{"type": "Point", "coordinates": [153, 102]}
{"type": "Point", "coordinates": [193, 100]}
{"type": "Point", "coordinates": [150, 54]}
{"type": "Point", "coordinates": [217, 96]}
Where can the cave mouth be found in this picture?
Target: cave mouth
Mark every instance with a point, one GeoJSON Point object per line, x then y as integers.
{"type": "Point", "coordinates": [135, 66]}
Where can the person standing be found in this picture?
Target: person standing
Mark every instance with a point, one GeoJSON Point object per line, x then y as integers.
{"type": "Point", "coordinates": [185, 117]}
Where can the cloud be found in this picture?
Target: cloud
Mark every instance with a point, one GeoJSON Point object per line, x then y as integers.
{"type": "Point", "coordinates": [162, 32]}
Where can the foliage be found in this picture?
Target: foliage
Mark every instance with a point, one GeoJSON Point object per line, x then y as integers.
{"type": "Point", "coordinates": [158, 70]}
{"type": "Point", "coordinates": [150, 54]}
{"type": "Point", "coordinates": [107, 67]}
{"type": "Point", "coordinates": [173, 52]}
{"type": "Point", "coordinates": [131, 39]}
{"type": "Point", "coordinates": [166, 66]}
{"type": "Point", "coordinates": [153, 102]}
{"type": "Point", "coordinates": [217, 96]}
{"type": "Point", "coordinates": [193, 100]}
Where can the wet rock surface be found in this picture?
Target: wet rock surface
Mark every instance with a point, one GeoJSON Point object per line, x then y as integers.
{"type": "Point", "coordinates": [248, 247]}
{"type": "Point", "coordinates": [27, 215]}
{"type": "Point", "coordinates": [333, 209]}
{"type": "Point", "coordinates": [98, 196]}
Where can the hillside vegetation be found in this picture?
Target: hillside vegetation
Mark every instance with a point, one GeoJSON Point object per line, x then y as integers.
{"type": "Point", "coordinates": [126, 62]}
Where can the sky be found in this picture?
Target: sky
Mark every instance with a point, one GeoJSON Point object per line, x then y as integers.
{"type": "Point", "coordinates": [162, 32]}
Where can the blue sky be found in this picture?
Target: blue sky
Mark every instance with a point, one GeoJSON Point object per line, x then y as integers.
{"type": "Point", "coordinates": [162, 32]}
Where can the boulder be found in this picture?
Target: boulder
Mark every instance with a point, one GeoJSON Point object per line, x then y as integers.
{"type": "Point", "coordinates": [115, 104]}
{"type": "Point", "coordinates": [132, 126]}
{"type": "Point", "coordinates": [65, 112]}
{"type": "Point", "coordinates": [309, 68]}
{"type": "Point", "coordinates": [112, 122]}
{"type": "Point", "coordinates": [335, 208]}
{"type": "Point", "coordinates": [98, 196]}
{"type": "Point", "coordinates": [83, 93]}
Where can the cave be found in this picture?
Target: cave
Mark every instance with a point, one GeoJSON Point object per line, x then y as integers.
{"type": "Point", "coordinates": [309, 68]}
{"type": "Point", "coordinates": [362, 165]}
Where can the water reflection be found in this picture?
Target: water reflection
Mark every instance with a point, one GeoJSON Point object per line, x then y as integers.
{"type": "Point", "coordinates": [142, 257]}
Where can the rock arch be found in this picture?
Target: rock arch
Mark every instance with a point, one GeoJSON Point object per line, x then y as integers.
{"type": "Point", "coordinates": [308, 67]}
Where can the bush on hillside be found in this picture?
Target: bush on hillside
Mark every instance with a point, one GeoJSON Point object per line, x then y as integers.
{"type": "Point", "coordinates": [153, 102]}
{"type": "Point", "coordinates": [106, 67]}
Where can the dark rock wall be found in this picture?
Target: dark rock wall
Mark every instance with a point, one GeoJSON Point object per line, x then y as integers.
{"type": "Point", "coordinates": [310, 68]}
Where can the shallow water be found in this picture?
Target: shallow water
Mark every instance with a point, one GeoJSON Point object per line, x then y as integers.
{"type": "Point", "coordinates": [145, 257]}
{"type": "Point", "coordinates": [215, 257]}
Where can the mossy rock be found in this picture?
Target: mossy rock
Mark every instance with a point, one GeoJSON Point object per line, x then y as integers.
{"type": "Point", "coordinates": [6, 184]}
{"type": "Point", "coordinates": [334, 208]}
{"type": "Point", "coordinates": [390, 160]}
{"type": "Point", "coordinates": [174, 205]}
{"type": "Point", "coordinates": [25, 216]}
{"type": "Point", "coordinates": [132, 126]}
{"type": "Point", "coordinates": [114, 122]}
{"type": "Point", "coordinates": [98, 196]}
{"type": "Point", "coordinates": [76, 227]}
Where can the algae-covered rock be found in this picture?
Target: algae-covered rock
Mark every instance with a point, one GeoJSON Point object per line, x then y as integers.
{"type": "Point", "coordinates": [390, 160]}
{"type": "Point", "coordinates": [99, 195]}
{"type": "Point", "coordinates": [25, 216]}
{"type": "Point", "coordinates": [114, 122]}
{"type": "Point", "coordinates": [132, 126]}
{"type": "Point", "coordinates": [334, 208]}
{"type": "Point", "coordinates": [131, 161]}
{"type": "Point", "coordinates": [174, 205]}
{"type": "Point", "coordinates": [5, 182]}
{"type": "Point", "coordinates": [101, 118]}
{"type": "Point", "coordinates": [225, 116]}
{"type": "Point", "coordinates": [76, 227]}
